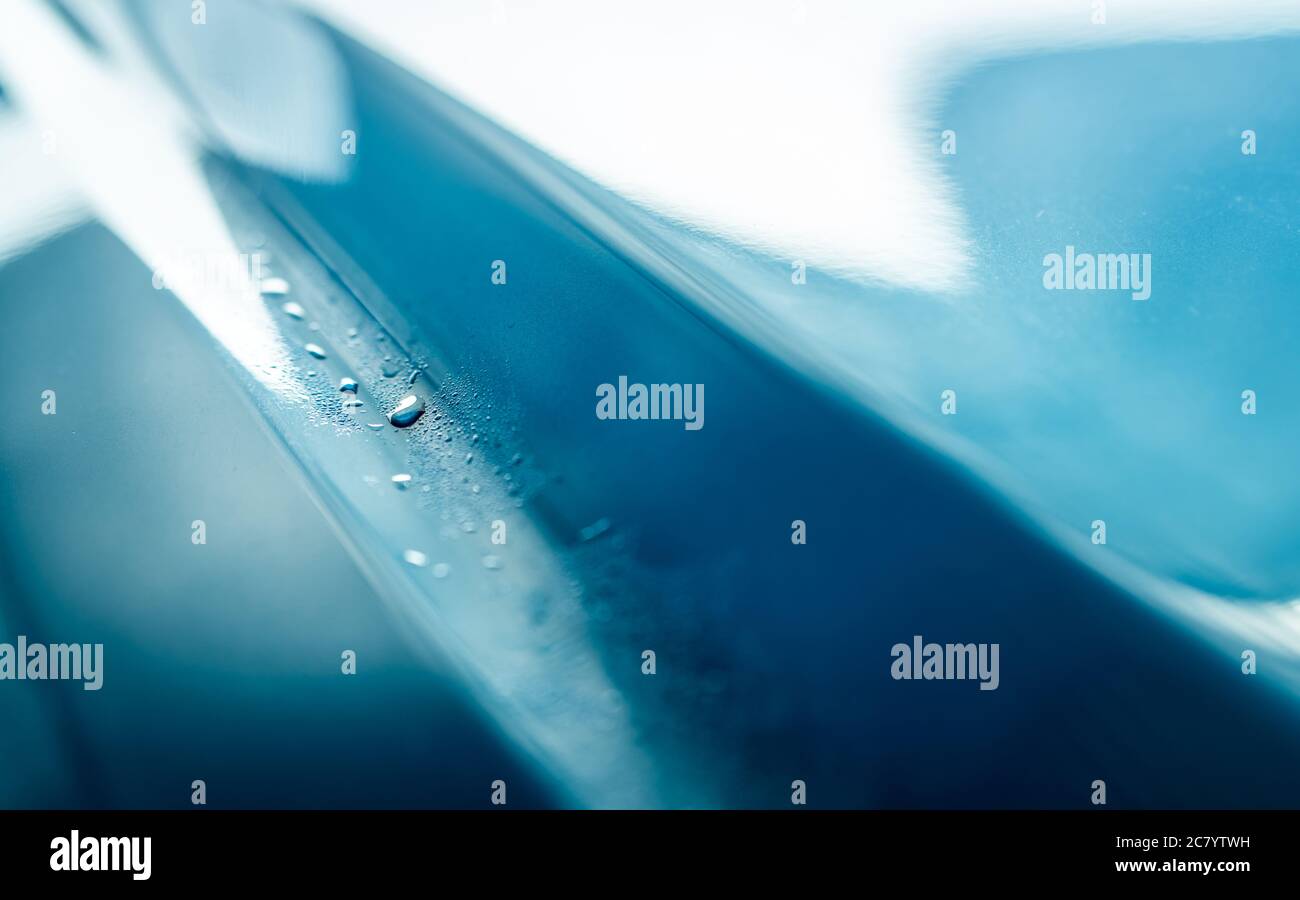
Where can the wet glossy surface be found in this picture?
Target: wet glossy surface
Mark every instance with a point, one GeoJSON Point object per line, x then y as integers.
{"type": "Point", "coordinates": [824, 405]}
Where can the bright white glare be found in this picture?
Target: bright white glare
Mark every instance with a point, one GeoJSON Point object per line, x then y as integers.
{"type": "Point", "coordinates": [125, 147]}
{"type": "Point", "coordinates": [39, 199]}
{"type": "Point", "coordinates": [802, 129]}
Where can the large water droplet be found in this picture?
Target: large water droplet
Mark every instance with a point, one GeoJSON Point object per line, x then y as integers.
{"type": "Point", "coordinates": [315, 350]}
{"type": "Point", "coordinates": [441, 570]}
{"type": "Point", "coordinates": [407, 411]}
{"type": "Point", "coordinates": [594, 530]}
{"type": "Point", "coordinates": [293, 310]}
{"type": "Point", "coordinates": [415, 558]}
{"type": "Point", "coordinates": [348, 385]}
{"type": "Point", "coordinates": [401, 481]}
{"type": "Point", "coordinates": [273, 287]}
{"type": "Point", "coordinates": [491, 562]}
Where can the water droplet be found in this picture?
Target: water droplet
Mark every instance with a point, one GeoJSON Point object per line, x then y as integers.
{"type": "Point", "coordinates": [407, 411]}
{"type": "Point", "coordinates": [467, 527]}
{"type": "Point", "coordinates": [491, 562]}
{"type": "Point", "coordinates": [594, 530]}
{"type": "Point", "coordinates": [293, 310]}
{"type": "Point", "coordinates": [401, 480]}
{"type": "Point", "coordinates": [352, 332]}
{"type": "Point", "coordinates": [274, 287]}
{"type": "Point", "coordinates": [415, 373]}
{"type": "Point", "coordinates": [516, 459]}
{"type": "Point", "coordinates": [311, 373]}
{"type": "Point", "coordinates": [415, 558]}
{"type": "Point", "coordinates": [313, 326]}
{"type": "Point", "coordinates": [389, 370]}
{"type": "Point", "coordinates": [348, 385]}
{"type": "Point", "coordinates": [315, 350]}
{"type": "Point", "coordinates": [441, 570]}
{"type": "Point", "coordinates": [469, 457]}
{"type": "Point", "coordinates": [353, 403]}
{"type": "Point", "coordinates": [375, 426]}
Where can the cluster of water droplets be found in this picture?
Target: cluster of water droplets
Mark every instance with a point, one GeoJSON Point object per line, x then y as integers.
{"type": "Point", "coordinates": [403, 412]}
{"type": "Point", "coordinates": [447, 455]}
